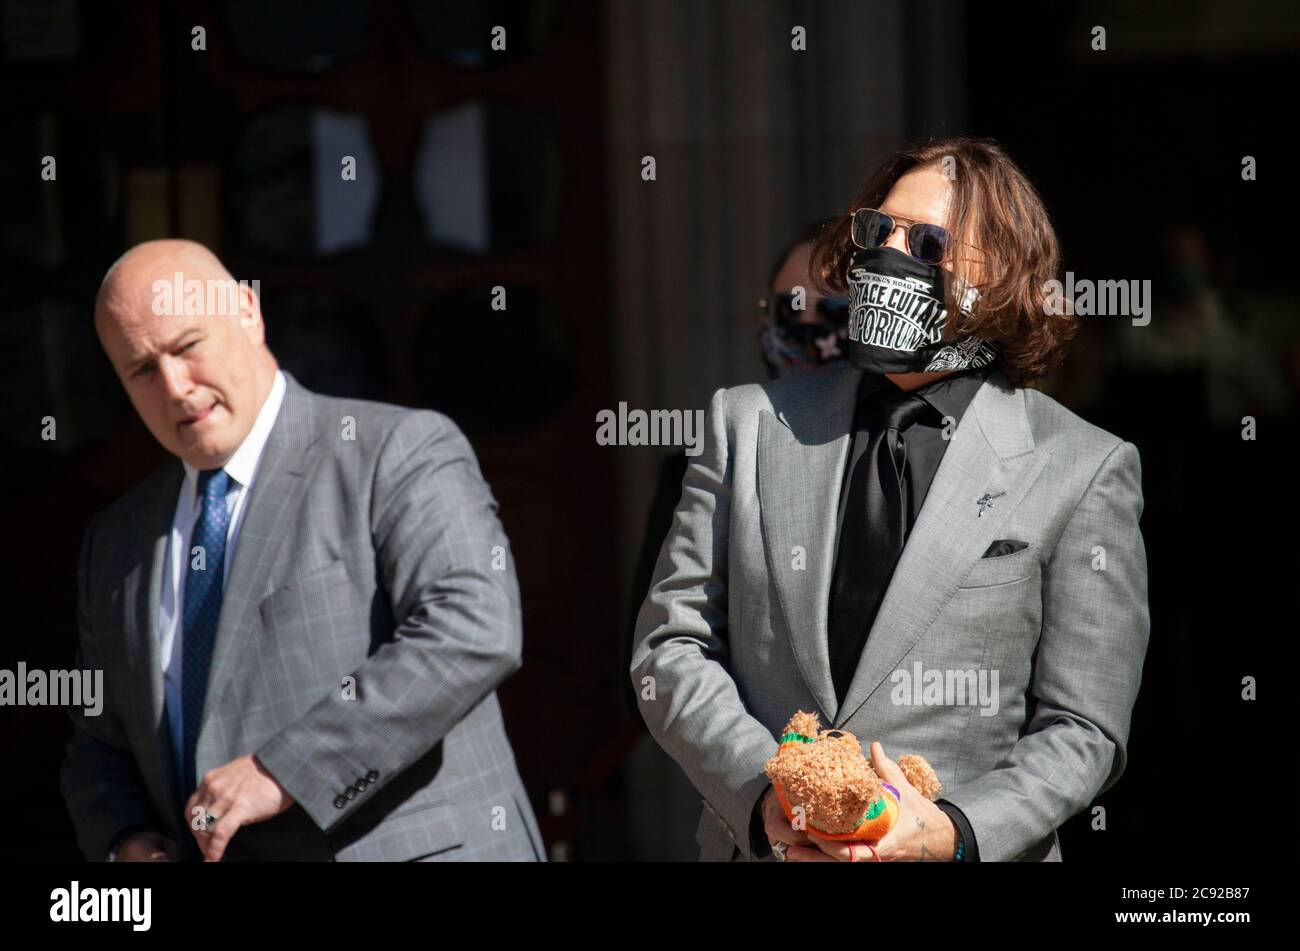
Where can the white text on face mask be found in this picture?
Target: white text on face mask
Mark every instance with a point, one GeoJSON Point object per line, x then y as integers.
{"type": "Point", "coordinates": [886, 312]}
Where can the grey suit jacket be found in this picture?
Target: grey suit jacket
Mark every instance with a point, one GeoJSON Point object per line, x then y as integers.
{"type": "Point", "coordinates": [378, 557]}
{"type": "Point", "coordinates": [731, 639]}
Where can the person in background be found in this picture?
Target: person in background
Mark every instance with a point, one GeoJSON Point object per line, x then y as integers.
{"type": "Point", "coordinates": [803, 328]}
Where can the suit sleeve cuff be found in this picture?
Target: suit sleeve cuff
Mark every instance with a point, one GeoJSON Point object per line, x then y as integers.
{"type": "Point", "coordinates": [759, 846]}
{"type": "Point", "coordinates": [972, 852]}
{"type": "Point", "coordinates": [121, 836]}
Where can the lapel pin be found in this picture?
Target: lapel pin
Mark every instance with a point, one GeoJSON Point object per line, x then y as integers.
{"type": "Point", "coordinates": [986, 501]}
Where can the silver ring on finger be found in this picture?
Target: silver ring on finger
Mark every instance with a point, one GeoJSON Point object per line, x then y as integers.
{"type": "Point", "coordinates": [779, 849]}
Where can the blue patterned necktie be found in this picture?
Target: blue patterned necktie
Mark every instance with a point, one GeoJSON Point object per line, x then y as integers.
{"type": "Point", "coordinates": [203, 586]}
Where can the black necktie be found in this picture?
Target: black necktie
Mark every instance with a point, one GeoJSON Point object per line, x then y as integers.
{"type": "Point", "coordinates": [873, 531]}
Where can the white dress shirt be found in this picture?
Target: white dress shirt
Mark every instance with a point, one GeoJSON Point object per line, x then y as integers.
{"type": "Point", "coordinates": [242, 469]}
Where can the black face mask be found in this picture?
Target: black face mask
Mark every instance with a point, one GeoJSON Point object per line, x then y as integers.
{"type": "Point", "coordinates": [897, 318]}
{"type": "Point", "coordinates": [797, 347]}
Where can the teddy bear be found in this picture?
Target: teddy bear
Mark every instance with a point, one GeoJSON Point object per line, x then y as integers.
{"type": "Point", "coordinates": [824, 773]}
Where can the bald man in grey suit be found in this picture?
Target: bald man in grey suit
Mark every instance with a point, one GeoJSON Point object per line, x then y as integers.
{"type": "Point", "coordinates": [302, 618]}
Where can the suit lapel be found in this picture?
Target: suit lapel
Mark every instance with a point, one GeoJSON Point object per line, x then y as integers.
{"type": "Point", "coordinates": [143, 592]}
{"type": "Point", "coordinates": [992, 450]}
{"type": "Point", "coordinates": [801, 454]}
{"type": "Point", "coordinates": [277, 489]}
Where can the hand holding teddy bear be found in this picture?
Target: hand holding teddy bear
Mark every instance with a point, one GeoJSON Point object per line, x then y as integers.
{"type": "Point", "coordinates": [828, 803]}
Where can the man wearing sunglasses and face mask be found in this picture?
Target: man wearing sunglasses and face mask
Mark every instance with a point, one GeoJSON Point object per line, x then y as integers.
{"type": "Point", "coordinates": [803, 328]}
{"type": "Point", "coordinates": [846, 536]}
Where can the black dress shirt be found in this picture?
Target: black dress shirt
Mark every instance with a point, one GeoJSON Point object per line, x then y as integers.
{"type": "Point", "coordinates": [925, 440]}
{"type": "Point", "coordinates": [926, 444]}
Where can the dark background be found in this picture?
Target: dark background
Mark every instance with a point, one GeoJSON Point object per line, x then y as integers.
{"type": "Point", "coordinates": [1137, 152]}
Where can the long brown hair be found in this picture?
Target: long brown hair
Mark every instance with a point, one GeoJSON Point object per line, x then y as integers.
{"type": "Point", "coordinates": [996, 209]}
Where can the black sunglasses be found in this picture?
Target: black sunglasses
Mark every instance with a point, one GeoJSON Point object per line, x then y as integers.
{"type": "Point", "coordinates": [871, 228]}
{"type": "Point", "coordinates": [833, 310]}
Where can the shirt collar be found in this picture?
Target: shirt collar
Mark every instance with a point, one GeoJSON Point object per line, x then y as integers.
{"type": "Point", "coordinates": [949, 396]}
{"type": "Point", "coordinates": [243, 464]}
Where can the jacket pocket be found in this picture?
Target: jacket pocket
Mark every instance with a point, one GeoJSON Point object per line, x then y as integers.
{"type": "Point", "coordinates": [1003, 569]}
{"type": "Point", "coordinates": [318, 630]}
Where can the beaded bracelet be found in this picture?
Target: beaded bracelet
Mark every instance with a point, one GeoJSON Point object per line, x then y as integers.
{"type": "Point", "coordinates": [959, 855]}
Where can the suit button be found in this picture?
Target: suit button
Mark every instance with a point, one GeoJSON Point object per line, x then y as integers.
{"type": "Point", "coordinates": [339, 802]}
{"type": "Point", "coordinates": [361, 784]}
{"type": "Point", "coordinates": [350, 793]}
{"type": "Point", "coordinates": [372, 776]}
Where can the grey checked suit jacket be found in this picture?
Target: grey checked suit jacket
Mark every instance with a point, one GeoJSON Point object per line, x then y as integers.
{"type": "Point", "coordinates": [370, 557]}
{"type": "Point", "coordinates": [733, 629]}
